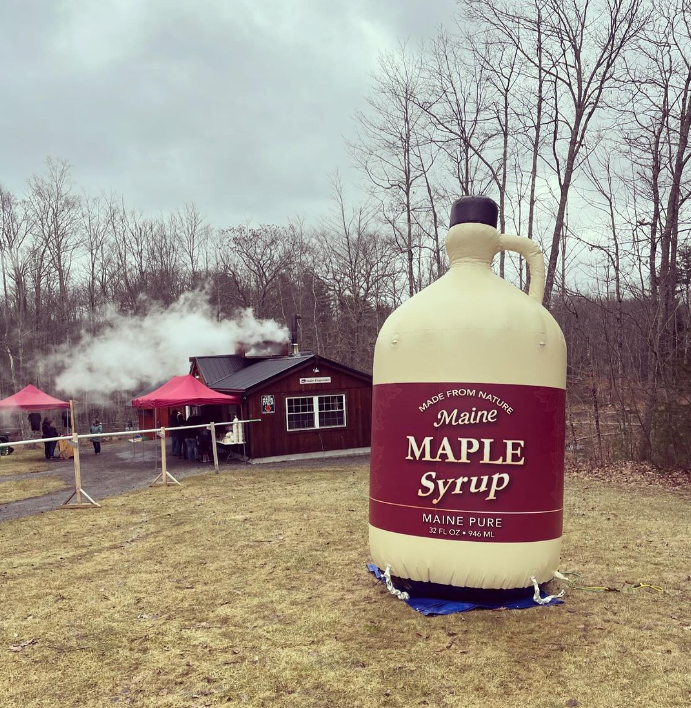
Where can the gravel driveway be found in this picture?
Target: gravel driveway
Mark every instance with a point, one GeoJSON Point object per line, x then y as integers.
{"type": "Point", "coordinates": [123, 466]}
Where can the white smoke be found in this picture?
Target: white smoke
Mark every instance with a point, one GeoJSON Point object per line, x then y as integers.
{"type": "Point", "coordinates": [132, 351]}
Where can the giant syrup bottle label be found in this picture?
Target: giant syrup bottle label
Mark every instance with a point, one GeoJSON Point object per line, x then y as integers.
{"type": "Point", "coordinates": [470, 462]}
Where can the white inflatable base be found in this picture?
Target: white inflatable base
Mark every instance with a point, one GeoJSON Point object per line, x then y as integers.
{"type": "Point", "coordinates": [465, 564]}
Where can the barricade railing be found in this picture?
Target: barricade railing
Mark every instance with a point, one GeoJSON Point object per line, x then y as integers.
{"type": "Point", "coordinates": [36, 440]}
{"type": "Point", "coordinates": [161, 431]}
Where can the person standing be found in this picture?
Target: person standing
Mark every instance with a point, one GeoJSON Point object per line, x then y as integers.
{"type": "Point", "coordinates": [95, 428]}
{"type": "Point", "coordinates": [174, 421]}
{"type": "Point", "coordinates": [191, 439]}
{"type": "Point", "coordinates": [204, 444]}
{"type": "Point", "coordinates": [49, 431]}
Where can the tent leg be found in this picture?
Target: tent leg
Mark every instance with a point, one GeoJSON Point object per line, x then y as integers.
{"type": "Point", "coordinates": [155, 424]}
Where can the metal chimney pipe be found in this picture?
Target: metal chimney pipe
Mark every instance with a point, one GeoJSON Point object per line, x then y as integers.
{"type": "Point", "coordinates": [294, 335]}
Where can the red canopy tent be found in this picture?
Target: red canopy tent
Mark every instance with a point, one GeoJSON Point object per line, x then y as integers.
{"type": "Point", "coordinates": [183, 391]}
{"type": "Point", "coordinates": [32, 399]}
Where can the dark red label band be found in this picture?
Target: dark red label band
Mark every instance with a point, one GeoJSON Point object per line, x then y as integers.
{"type": "Point", "coordinates": [471, 462]}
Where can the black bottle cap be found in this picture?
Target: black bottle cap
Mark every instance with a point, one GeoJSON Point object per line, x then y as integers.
{"type": "Point", "coordinates": [476, 210]}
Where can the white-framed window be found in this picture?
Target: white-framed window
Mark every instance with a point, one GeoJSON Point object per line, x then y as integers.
{"type": "Point", "coordinates": [315, 412]}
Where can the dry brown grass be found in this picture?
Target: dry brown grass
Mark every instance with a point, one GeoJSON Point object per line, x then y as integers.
{"type": "Point", "coordinates": [250, 588]}
{"type": "Point", "coordinates": [23, 460]}
{"type": "Point", "coordinates": [16, 489]}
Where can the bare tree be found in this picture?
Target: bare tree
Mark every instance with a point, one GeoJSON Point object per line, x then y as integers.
{"type": "Point", "coordinates": [254, 258]}
{"type": "Point", "coordinates": [581, 44]}
{"type": "Point", "coordinates": [387, 148]}
{"type": "Point", "coordinates": [455, 99]}
{"type": "Point", "coordinates": [15, 264]}
{"type": "Point", "coordinates": [97, 265]}
{"type": "Point", "coordinates": [56, 222]}
{"type": "Point", "coordinates": [356, 263]}
{"type": "Point", "coordinates": [189, 229]}
{"type": "Point", "coordinates": [471, 86]}
{"type": "Point", "coordinates": [657, 138]}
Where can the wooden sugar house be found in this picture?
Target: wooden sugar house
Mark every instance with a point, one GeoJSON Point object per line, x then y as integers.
{"type": "Point", "coordinates": [306, 405]}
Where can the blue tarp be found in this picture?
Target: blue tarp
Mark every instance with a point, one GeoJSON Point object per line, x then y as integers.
{"type": "Point", "coordinates": [435, 606]}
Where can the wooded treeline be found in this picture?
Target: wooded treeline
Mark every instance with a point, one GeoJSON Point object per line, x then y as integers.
{"type": "Point", "coordinates": [574, 116]}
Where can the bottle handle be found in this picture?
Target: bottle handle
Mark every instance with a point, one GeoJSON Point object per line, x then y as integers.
{"type": "Point", "coordinates": [534, 258]}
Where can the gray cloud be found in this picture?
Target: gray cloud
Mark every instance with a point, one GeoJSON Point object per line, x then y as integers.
{"type": "Point", "coordinates": [237, 105]}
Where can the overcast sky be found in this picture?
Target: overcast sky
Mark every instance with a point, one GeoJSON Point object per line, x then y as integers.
{"type": "Point", "coordinates": [238, 105]}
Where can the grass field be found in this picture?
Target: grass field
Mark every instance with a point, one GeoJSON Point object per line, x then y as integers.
{"type": "Point", "coordinates": [250, 588]}
{"type": "Point", "coordinates": [32, 487]}
{"type": "Point", "coordinates": [23, 460]}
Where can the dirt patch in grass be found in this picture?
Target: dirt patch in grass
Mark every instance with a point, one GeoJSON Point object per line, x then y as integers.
{"type": "Point", "coordinates": [15, 489]}
{"type": "Point", "coordinates": [23, 461]}
{"type": "Point", "coordinates": [249, 588]}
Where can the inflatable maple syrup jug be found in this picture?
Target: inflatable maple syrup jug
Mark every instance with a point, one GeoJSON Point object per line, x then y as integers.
{"type": "Point", "coordinates": [468, 426]}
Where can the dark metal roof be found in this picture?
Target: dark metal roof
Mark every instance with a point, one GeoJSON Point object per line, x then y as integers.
{"type": "Point", "coordinates": [258, 372]}
{"type": "Point", "coordinates": [215, 368]}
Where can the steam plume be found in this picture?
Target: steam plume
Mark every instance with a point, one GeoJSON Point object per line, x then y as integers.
{"type": "Point", "coordinates": [132, 351]}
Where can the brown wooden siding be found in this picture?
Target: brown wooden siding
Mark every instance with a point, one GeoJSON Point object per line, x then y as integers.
{"type": "Point", "coordinates": [271, 436]}
{"type": "Point", "coordinates": [149, 419]}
